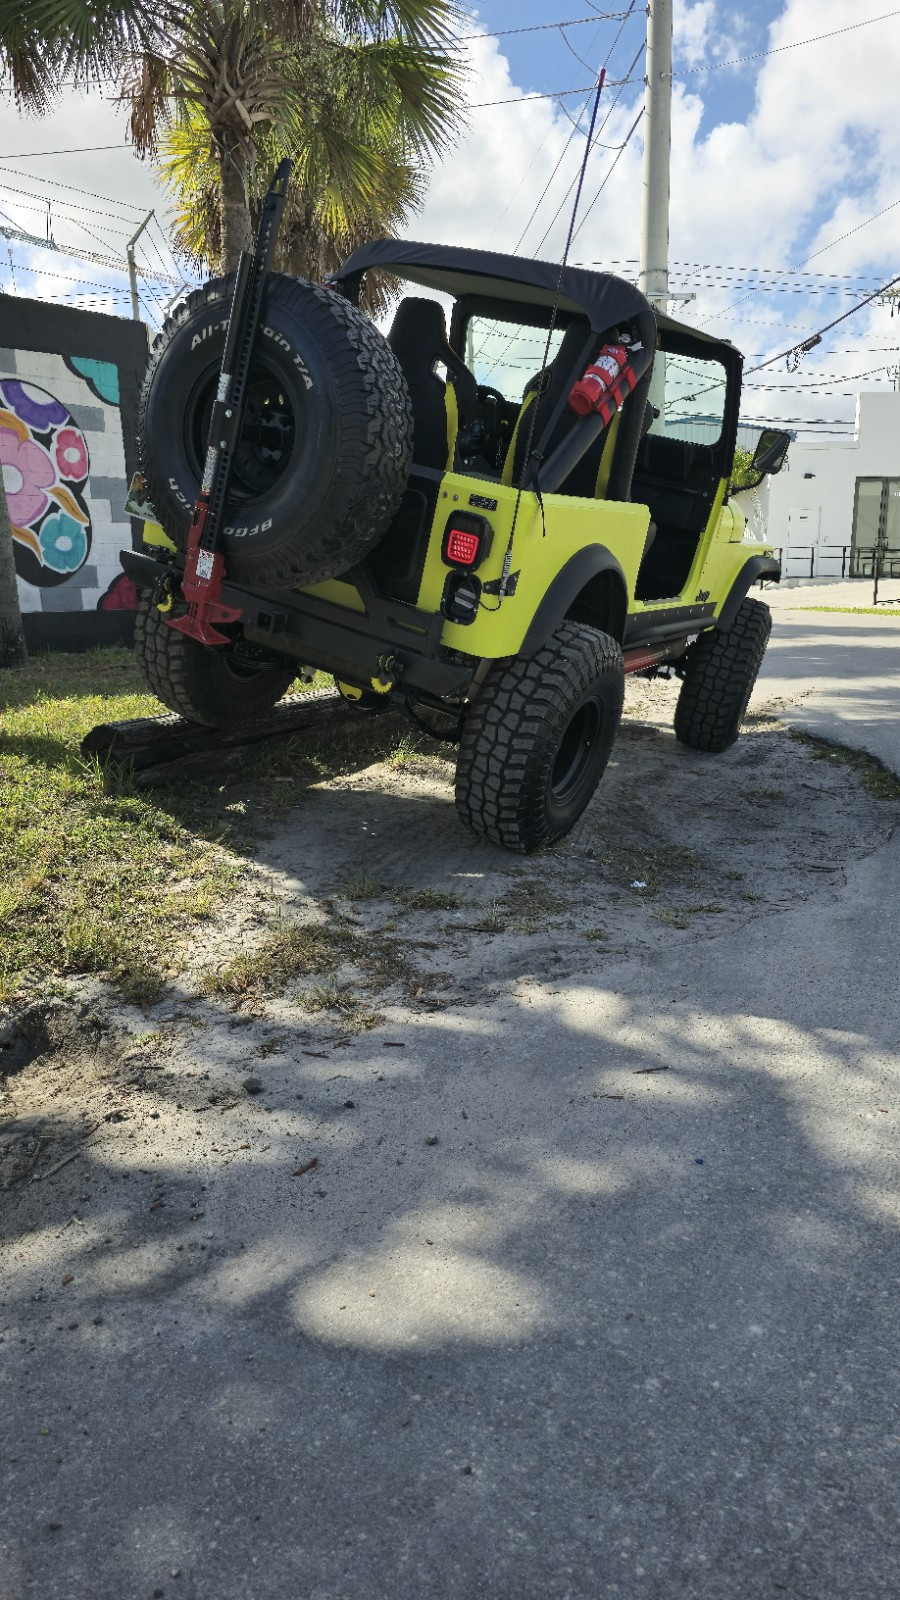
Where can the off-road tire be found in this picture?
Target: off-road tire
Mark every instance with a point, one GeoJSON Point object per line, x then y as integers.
{"type": "Point", "coordinates": [324, 458]}
{"type": "Point", "coordinates": [209, 685]}
{"type": "Point", "coordinates": [536, 740]}
{"type": "Point", "coordinates": [719, 673]}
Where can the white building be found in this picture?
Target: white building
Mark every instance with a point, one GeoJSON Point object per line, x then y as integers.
{"type": "Point", "coordinates": [836, 499]}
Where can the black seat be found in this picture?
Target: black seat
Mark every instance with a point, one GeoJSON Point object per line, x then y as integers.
{"type": "Point", "coordinates": [555, 383]}
{"type": "Point", "coordinates": [418, 338]}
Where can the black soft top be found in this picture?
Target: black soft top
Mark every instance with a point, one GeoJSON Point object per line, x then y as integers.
{"type": "Point", "coordinates": [604, 299]}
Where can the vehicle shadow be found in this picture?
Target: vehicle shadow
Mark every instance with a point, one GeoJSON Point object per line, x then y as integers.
{"type": "Point", "coordinates": [589, 1289]}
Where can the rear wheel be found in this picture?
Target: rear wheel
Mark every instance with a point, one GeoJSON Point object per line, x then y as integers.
{"type": "Point", "coordinates": [225, 687]}
{"type": "Point", "coordinates": [719, 674]}
{"type": "Point", "coordinates": [537, 739]}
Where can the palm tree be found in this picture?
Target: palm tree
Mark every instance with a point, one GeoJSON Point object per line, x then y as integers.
{"type": "Point", "coordinates": [360, 93]}
{"type": "Point", "coordinates": [46, 43]}
{"type": "Point", "coordinates": [318, 230]}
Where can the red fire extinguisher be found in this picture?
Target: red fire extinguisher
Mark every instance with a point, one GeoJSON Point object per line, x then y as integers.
{"type": "Point", "coordinates": [605, 385]}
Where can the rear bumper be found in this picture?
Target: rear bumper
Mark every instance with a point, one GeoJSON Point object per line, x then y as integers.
{"type": "Point", "coordinates": [388, 639]}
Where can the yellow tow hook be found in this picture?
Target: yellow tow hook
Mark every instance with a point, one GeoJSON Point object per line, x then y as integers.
{"type": "Point", "coordinates": [166, 601]}
{"type": "Point", "coordinates": [387, 674]}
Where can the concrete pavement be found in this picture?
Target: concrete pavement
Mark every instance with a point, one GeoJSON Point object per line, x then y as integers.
{"type": "Point", "coordinates": [835, 674]}
{"type": "Point", "coordinates": [592, 1293]}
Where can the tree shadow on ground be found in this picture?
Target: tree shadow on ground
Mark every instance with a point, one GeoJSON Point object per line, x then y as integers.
{"type": "Point", "coordinates": [590, 1291]}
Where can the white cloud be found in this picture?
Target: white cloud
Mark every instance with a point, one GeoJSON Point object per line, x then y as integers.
{"type": "Point", "coordinates": [694, 32]}
{"type": "Point", "coordinates": [817, 155]}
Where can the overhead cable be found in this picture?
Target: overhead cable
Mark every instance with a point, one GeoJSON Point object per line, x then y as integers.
{"type": "Point", "coordinates": [621, 147]}
{"type": "Point", "coordinates": [806, 260]}
{"type": "Point", "coordinates": [544, 27]}
{"type": "Point", "coordinates": [76, 150]}
{"type": "Point", "coordinates": [777, 50]}
{"type": "Point", "coordinates": [593, 145]}
{"type": "Point", "coordinates": [556, 94]}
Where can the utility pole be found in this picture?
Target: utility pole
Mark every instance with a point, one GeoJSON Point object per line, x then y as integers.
{"type": "Point", "coordinates": [654, 269]}
{"type": "Point", "coordinates": [132, 267]}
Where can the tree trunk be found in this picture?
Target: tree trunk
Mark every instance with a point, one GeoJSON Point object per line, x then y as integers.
{"type": "Point", "coordinates": [13, 652]}
{"type": "Point", "coordinates": [237, 230]}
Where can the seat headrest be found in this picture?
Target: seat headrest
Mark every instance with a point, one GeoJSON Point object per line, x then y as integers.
{"type": "Point", "coordinates": [418, 338]}
{"type": "Point", "coordinates": [419, 326]}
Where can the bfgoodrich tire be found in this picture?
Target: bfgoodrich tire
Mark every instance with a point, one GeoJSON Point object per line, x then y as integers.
{"type": "Point", "coordinates": [719, 674]}
{"type": "Point", "coordinates": [537, 739]}
{"type": "Point", "coordinates": [326, 446]}
{"type": "Point", "coordinates": [222, 687]}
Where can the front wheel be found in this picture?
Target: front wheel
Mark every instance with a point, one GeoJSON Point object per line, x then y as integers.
{"type": "Point", "coordinates": [222, 686]}
{"type": "Point", "coordinates": [719, 674]}
{"type": "Point", "coordinates": [537, 739]}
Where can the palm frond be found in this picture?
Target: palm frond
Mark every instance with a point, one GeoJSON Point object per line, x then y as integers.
{"type": "Point", "coordinates": [46, 43]}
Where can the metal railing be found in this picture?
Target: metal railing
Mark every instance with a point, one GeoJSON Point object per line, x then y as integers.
{"type": "Point", "coordinates": [841, 561]}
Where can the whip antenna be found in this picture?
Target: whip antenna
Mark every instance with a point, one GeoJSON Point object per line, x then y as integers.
{"type": "Point", "coordinates": [528, 458]}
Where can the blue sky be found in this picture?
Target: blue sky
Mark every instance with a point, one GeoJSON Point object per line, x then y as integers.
{"type": "Point", "coordinates": [778, 165]}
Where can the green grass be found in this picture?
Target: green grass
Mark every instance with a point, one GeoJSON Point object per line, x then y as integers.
{"type": "Point", "coordinates": [430, 899]}
{"type": "Point", "coordinates": [874, 775]}
{"type": "Point", "coordinates": [854, 611]}
{"type": "Point", "coordinates": [93, 880]}
{"type": "Point", "coordinates": [297, 950]}
{"type": "Point", "coordinates": [99, 875]}
{"type": "Point", "coordinates": [363, 887]}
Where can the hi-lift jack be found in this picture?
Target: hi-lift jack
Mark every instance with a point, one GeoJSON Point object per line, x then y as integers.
{"type": "Point", "coordinates": [204, 569]}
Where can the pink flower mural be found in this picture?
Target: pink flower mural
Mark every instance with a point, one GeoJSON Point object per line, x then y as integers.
{"type": "Point", "coordinates": [71, 454]}
{"type": "Point", "coordinates": [45, 466]}
{"type": "Point", "coordinates": [27, 473]}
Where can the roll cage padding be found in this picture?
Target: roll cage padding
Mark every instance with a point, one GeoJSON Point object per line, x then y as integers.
{"type": "Point", "coordinates": [569, 583]}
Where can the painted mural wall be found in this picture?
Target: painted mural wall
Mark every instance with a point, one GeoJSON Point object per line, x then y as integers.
{"type": "Point", "coordinates": [67, 453]}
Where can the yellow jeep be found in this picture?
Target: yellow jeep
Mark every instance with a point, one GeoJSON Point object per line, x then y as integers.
{"type": "Point", "coordinates": [426, 517]}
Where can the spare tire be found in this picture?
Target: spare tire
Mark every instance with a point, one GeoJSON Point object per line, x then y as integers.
{"type": "Point", "coordinates": [325, 449]}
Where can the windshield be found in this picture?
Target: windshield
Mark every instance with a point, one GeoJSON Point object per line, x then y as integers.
{"type": "Point", "coordinates": [504, 355]}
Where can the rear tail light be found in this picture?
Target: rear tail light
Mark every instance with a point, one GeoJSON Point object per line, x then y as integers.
{"type": "Point", "coordinates": [466, 542]}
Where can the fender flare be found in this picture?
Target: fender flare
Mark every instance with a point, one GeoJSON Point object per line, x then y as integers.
{"type": "Point", "coordinates": [757, 567]}
{"type": "Point", "coordinates": [564, 591]}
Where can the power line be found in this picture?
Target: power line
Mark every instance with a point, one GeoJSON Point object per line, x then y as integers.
{"type": "Point", "coordinates": [603, 124]}
{"type": "Point", "coordinates": [77, 150]}
{"type": "Point", "coordinates": [54, 183]}
{"type": "Point", "coordinates": [556, 94]}
{"type": "Point", "coordinates": [628, 137]}
{"type": "Point", "coordinates": [806, 260]}
{"type": "Point", "coordinates": [575, 126]}
{"type": "Point", "coordinates": [70, 205]}
{"type": "Point", "coordinates": [544, 27]}
{"type": "Point", "coordinates": [757, 55]}
{"type": "Point", "coordinates": [816, 338]}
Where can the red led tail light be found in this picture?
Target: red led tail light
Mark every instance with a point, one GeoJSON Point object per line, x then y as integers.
{"type": "Point", "coordinates": [467, 540]}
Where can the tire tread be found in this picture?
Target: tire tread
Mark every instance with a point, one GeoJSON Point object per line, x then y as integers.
{"type": "Point", "coordinates": [720, 672]}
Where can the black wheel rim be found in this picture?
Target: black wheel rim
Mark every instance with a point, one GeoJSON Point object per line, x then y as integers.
{"type": "Point", "coordinates": [577, 753]}
{"type": "Point", "coordinates": [267, 438]}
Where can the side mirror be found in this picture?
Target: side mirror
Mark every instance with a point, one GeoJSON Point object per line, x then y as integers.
{"type": "Point", "coordinates": [771, 452]}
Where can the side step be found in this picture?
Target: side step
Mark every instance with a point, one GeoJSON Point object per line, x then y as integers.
{"type": "Point", "coordinates": [151, 745]}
